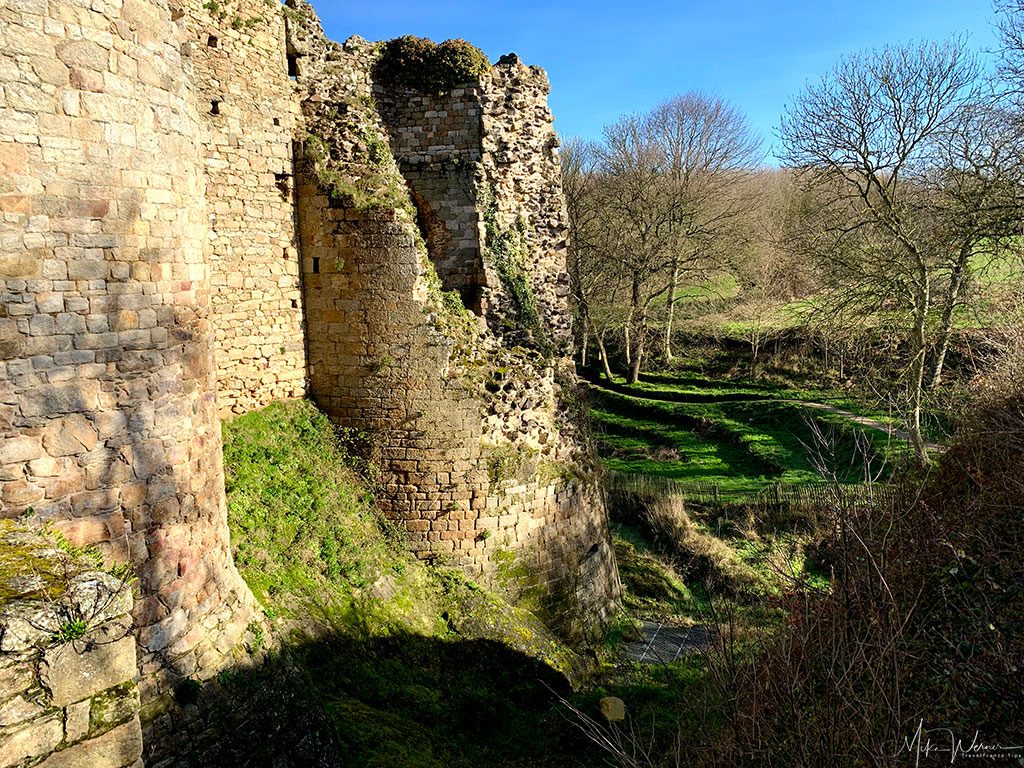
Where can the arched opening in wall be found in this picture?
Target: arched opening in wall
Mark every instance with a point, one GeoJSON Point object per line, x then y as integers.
{"type": "Point", "coordinates": [448, 259]}
{"type": "Point", "coordinates": [293, 65]}
{"type": "Point", "coordinates": [212, 41]}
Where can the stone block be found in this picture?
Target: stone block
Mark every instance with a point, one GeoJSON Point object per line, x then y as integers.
{"type": "Point", "coordinates": [113, 707]}
{"type": "Point", "coordinates": [19, 266]}
{"type": "Point", "coordinates": [76, 725]}
{"type": "Point", "coordinates": [18, 710]}
{"type": "Point", "coordinates": [116, 748]}
{"type": "Point", "coordinates": [14, 450]}
{"type": "Point", "coordinates": [36, 738]}
{"type": "Point", "coordinates": [70, 436]}
{"type": "Point", "coordinates": [15, 677]}
{"type": "Point", "coordinates": [73, 676]}
{"type": "Point", "coordinates": [83, 54]}
{"type": "Point", "coordinates": [55, 399]}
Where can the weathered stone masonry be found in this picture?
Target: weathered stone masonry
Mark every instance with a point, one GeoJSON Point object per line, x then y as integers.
{"type": "Point", "coordinates": [164, 263]}
{"type": "Point", "coordinates": [480, 458]}
{"type": "Point", "coordinates": [108, 415]}
{"type": "Point", "coordinates": [247, 105]}
{"type": "Point", "coordinates": [68, 695]}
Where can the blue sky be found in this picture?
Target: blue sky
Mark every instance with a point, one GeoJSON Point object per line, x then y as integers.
{"type": "Point", "coordinates": [605, 59]}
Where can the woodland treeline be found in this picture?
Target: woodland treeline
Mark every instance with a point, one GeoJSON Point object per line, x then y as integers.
{"type": "Point", "coordinates": [893, 219]}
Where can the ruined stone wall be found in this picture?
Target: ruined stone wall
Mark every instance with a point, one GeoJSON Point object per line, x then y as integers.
{"type": "Point", "coordinates": [248, 111]}
{"type": "Point", "coordinates": [477, 451]}
{"type": "Point", "coordinates": [522, 173]}
{"type": "Point", "coordinates": [68, 695]}
{"type": "Point", "coordinates": [436, 141]}
{"type": "Point", "coordinates": [482, 164]}
{"type": "Point", "coordinates": [108, 416]}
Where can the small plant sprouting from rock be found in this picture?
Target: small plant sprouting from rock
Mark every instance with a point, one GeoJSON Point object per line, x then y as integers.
{"type": "Point", "coordinates": [70, 630]}
{"type": "Point", "coordinates": [255, 629]}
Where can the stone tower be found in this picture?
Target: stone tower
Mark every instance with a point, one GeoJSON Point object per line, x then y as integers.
{"type": "Point", "coordinates": [433, 236]}
{"type": "Point", "coordinates": [108, 424]}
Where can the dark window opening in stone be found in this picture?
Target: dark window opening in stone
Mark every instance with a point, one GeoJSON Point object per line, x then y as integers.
{"type": "Point", "coordinates": [472, 298]}
{"type": "Point", "coordinates": [316, 265]}
{"type": "Point", "coordinates": [283, 182]}
{"type": "Point", "coordinates": [277, 121]}
{"type": "Point", "coordinates": [214, 107]}
{"type": "Point", "coordinates": [293, 65]}
{"type": "Point", "coordinates": [295, 303]}
{"type": "Point", "coordinates": [212, 41]}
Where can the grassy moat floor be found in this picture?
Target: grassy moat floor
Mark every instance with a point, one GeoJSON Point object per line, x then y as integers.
{"type": "Point", "coordinates": [393, 663]}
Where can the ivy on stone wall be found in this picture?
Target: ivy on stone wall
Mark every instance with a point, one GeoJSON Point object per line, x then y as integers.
{"type": "Point", "coordinates": [422, 64]}
{"type": "Point", "coordinates": [509, 251]}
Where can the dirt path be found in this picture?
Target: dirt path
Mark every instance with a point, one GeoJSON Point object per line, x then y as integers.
{"type": "Point", "coordinates": [660, 643]}
{"type": "Point", "coordinates": [864, 421]}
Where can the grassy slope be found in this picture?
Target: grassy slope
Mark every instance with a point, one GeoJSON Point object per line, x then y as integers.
{"type": "Point", "coordinates": [405, 665]}
{"type": "Point", "coordinates": [737, 436]}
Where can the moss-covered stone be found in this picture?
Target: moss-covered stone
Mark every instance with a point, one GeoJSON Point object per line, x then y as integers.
{"type": "Point", "coordinates": [112, 707]}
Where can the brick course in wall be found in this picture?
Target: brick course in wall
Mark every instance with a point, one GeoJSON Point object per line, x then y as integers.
{"type": "Point", "coordinates": [248, 110]}
{"type": "Point", "coordinates": [108, 417]}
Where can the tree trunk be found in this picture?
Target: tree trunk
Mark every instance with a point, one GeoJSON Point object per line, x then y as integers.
{"type": "Point", "coordinates": [956, 283]}
{"type": "Point", "coordinates": [638, 354]}
{"type": "Point", "coordinates": [627, 333]}
{"type": "Point", "coordinates": [584, 342]}
{"type": "Point", "coordinates": [603, 354]}
{"type": "Point", "coordinates": [671, 308]}
{"type": "Point", "coordinates": [634, 303]}
{"type": "Point", "coordinates": [917, 373]}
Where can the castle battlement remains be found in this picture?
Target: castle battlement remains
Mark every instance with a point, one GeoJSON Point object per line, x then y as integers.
{"type": "Point", "coordinates": [210, 206]}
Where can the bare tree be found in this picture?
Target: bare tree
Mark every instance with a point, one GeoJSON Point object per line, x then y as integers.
{"type": "Point", "coordinates": [656, 201]}
{"type": "Point", "coordinates": [902, 159]}
{"type": "Point", "coordinates": [596, 280]}
{"type": "Point", "coordinates": [710, 154]}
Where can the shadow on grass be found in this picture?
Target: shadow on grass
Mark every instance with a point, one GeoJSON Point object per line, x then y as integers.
{"type": "Point", "coordinates": [405, 701]}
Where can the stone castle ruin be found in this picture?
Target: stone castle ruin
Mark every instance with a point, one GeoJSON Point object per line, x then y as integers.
{"type": "Point", "coordinates": [210, 206]}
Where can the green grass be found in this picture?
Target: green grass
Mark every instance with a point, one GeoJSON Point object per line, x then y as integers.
{"type": "Point", "coordinates": [390, 661]}
{"type": "Point", "coordinates": [307, 538]}
{"type": "Point", "coordinates": [725, 438]}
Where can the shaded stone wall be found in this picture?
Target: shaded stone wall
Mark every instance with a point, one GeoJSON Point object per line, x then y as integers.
{"type": "Point", "coordinates": [67, 660]}
{"type": "Point", "coordinates": [478, 453]}
{"type": "Point", "coordinates": [108, 415]}
{"type": "Point", "coordinates": [488, 151]}
{"type": "Point", "coordinates": [248, 111]}
{"type": "Point", "coordinates": [436, 142]}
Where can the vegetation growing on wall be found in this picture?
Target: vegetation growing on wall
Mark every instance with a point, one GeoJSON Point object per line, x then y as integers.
{"type": "Point", "coordinates": [367, 181]}
{"type": "Point", "coordinates": [509, 250]}
{"type": "Point", "coordinates": [419, 63]}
